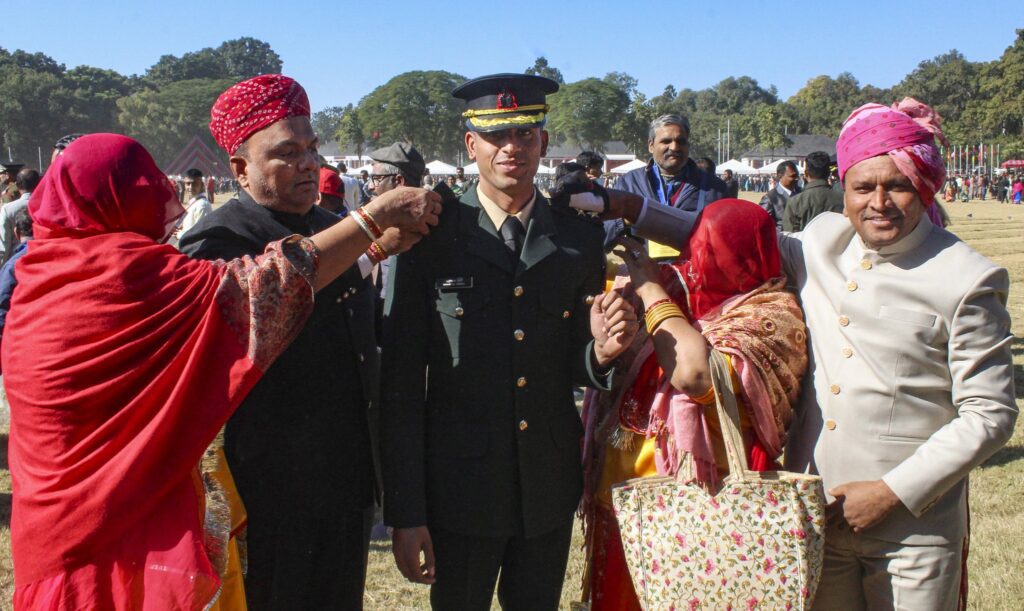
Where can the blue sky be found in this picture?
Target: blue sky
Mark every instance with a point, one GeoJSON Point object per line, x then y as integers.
{"type": "Point", "coordinates": [340, 51]}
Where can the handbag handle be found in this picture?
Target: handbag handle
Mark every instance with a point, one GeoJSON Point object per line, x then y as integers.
{"type": "Point", "coordinates": [728, 415]}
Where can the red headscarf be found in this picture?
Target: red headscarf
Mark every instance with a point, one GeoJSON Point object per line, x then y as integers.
{"type": "Point", "coordinates": [732, 250]}
{"type": "Point", "coordinates": [247, 107]}
{"type": "Point", "coordinates": [120, 367]}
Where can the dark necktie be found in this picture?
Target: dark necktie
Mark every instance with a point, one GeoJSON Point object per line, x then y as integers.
{"type": "Point", "coordinates": [512, 232]}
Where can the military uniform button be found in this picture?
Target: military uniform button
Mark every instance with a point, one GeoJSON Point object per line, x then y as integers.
{"type": "Point", "coordinates": [521, 382]}
{"type": "Point", "coordinates": [865, 264]}
{"type": "Point", "coordinates": [459, 312]}
{"type": "Point", "coordinates": [361, 357]}
{"type": "Point", "coordinates": [523, 425]}
{"type": "Point", "coordinates": [351, 312]}
{"type": "Point", "coordinates": [847, 352]}
{"type": "Point", "coordinates": [352, 290]}
{"type": "Point", "coordinates": [565, 314]}
{"type": "Point", "coordinates": [844, 320]}
{"type": "Point", "coordinates": [851, 286]}
{"type": "Point", "coordinates": [339, 300]}
{"type": "Point", "coordinates": [589, 300]}
{"type": "Point", "coordinates": [518, 291]}
{"type": "Point", "coordinates": [830, 424]}
{"type": "Point", "coordinates": [834, 389]}
{"type": "Point", "coordinates": [519, 335]}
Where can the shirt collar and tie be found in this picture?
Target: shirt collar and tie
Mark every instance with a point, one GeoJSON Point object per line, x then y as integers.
{"type": "Point", "coordinates": [511, 227]}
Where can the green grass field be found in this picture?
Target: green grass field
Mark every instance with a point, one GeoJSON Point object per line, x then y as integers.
{"type": "Point", "coordinates": [997, 488]}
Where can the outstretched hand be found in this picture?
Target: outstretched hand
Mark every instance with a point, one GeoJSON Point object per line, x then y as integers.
{"type": "Point", "coordinates": [576, 190]}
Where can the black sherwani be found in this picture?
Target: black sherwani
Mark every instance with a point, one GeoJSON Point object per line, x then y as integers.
{"type": "Point", "coordinates": [301, 445]}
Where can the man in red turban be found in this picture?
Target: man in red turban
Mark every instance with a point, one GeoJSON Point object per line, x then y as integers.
{"type": "Point", "coordinates": [302, 444]}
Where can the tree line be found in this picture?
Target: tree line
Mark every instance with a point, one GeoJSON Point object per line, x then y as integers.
{"type": "Point", "coordinates": [169, 104]}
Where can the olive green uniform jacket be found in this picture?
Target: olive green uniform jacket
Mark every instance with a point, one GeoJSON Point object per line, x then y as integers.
{"type": "Point", "coordinates": [817, 197]}
{"type": "Point", "coordinates": [480, 432]}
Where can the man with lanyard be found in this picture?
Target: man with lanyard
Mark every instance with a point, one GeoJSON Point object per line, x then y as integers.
{"type": "Point", "coordinates": [670, 177]}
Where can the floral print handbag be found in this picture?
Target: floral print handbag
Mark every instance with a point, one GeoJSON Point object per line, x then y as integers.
{"type": "Point", "coordinates": [755, 544]}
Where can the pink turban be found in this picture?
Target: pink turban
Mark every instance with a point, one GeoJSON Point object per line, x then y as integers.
{"type": "Point", "coordinates": [247, 107]}
{"type": "Point", "coordinates": [906, 132]}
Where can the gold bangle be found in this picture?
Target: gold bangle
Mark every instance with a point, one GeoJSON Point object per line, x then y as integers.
{"type": "Point", "coordinates": [659, 314]}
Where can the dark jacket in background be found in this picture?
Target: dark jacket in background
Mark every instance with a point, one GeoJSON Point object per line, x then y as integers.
{"type": "Point", "coordinates": [301, 445]}
{"type": "Point", "coordinates": [817, 197]}
{"type": "Point", "coordinates": [774, 202]}
{"type": "Point", "coordinates": [699, 189]}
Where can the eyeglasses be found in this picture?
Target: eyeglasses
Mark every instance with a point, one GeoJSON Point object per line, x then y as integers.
{"type": "Point", "coordinates": [376, 178]}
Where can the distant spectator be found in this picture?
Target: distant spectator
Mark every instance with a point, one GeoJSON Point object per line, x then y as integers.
{"type": "Point", "coordinates": [8, 190]}
{"type": "Point", "coordinates": [26, 181]}
{"type": "Point", "coordinates": [354, 195]}
{"type": "Point", "coordinates": [670, 177]}
{"type": "Point", "coordinates": [198, 205]}
{"type": "Point", "coordinates": [817, 196]}
{"type": "Point", "coordinates": [23, 233]}
{"type": "Point", "coordinates": [774, 201]}
{"type": "Point", "coordinates": [732, 186]}
{"type": "Point", "coordinates": [332, 192]}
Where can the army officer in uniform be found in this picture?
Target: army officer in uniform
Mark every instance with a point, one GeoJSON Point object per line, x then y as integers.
{"type": "Point", "coordinates": [488, 326]}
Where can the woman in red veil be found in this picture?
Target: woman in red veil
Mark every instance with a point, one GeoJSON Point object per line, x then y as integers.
{"type": "Point", "coordinates": [725, 292]}
{"type": "Point", "coordinates": [122, 360]}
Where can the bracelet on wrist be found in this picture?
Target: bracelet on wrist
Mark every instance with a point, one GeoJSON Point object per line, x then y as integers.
{"type": "Point", "coordinates": [366, 228]}
{"type": "Point", "coordinates": [659, 313]}
{"type": "Point", "coordinates": [376, 253]}
{"type": "Point", "coordinates": [370, 223]}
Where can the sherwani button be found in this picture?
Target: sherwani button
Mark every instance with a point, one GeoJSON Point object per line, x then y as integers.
{"type": "Point", "coordinates": [834, 389]}
{"type": "Point", "coordinates": [844, 320]}
{"type": "Point", "coordinates": [865, 264]}
{"type": "Point", "coordinates": [851, 286]}
{"type": "Point", "coordinates": [847, 352]}
{"type": "Point", "coordinates": [830, 424]}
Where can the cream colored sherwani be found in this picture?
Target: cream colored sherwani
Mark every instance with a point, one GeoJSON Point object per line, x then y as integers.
{"type": "Point", "coordinates": [912, 373]}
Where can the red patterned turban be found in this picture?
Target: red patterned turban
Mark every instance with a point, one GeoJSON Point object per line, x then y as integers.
{"type": "Point", "coordinates": [247, 107]}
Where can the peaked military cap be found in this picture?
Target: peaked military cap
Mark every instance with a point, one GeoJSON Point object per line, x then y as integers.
{"type": "Point", "coordinates": [503, 101]}
{"type": "Point", "coordinates": [10, 166]}
{"type": "Point", "coordinates": [403, 156]}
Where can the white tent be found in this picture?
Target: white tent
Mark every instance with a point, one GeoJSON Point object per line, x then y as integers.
{"type": "Point", "coordinates": [545, 170]}
{"type": "Point", "coordinates": [472, 168]}
{"type": "Point", "coordinates": [357, 171]}
{"type": "Point", "coordinates": [629, 167]}
{"type": "Point", "coordinates": [439, 167]}
{"type": "Point", "coordinates": [771, 168]}
{"type": "Point", "coordinates": [737, 167]}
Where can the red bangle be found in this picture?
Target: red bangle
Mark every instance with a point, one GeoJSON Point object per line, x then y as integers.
{"type": "Point", "coordinates": [376, 253]}
{"type": "Point", "coordinates": [372, 224]}
{"type": "Point", "coordinates": [657, 303]}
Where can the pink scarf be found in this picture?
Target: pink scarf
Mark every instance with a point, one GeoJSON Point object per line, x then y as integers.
{"type": "Point", "coordinates": [906, 132]}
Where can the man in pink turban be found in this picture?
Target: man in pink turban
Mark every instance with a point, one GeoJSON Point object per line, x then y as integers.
{"type": "Point", "coordinates": [912, 376]}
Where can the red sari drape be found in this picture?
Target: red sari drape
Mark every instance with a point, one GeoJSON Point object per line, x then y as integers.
{"type": "Point", "coordinates": [122, 359]}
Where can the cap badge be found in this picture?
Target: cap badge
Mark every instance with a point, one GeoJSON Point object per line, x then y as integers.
{"type": "Point", "coordinates": [507, 100]}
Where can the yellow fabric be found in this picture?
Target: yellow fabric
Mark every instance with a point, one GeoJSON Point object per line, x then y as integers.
{"type": "Point", "coordinates": [232, 594]}
{"type": "Point", "coordinates": [621, 465]}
